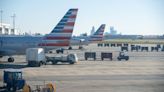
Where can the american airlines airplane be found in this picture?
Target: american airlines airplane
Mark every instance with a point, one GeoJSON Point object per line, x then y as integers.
{"type": "Point", "coordinates": [96, 37]}
{"type": "Point", "coordinates": [59, 37]}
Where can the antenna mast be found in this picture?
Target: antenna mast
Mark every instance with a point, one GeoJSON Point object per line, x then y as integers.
{"type": "Point", "coordinates": [1, 17]}
{"type": "Point", "coordinates": [13, 16]}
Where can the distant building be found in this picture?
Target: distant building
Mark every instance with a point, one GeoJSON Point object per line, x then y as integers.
{"type": "Point", "coordinates": [113, 31]}
{"type": "Point", "coordinates": [150, 36]}
{"type": "Point", "coordinates": [92, 31]}
{"type": "Point", "coordinates": [5, 29]}
{"type": "Point", "coordinates": [121, 36]}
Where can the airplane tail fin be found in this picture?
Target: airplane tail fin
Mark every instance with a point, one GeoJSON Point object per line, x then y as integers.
{"type": "Point", "coordinates": [98, 35]}
{"type": "Point", "coordinates": [62, 33]}
{"type": "Point", "coordinates": [66, 24]}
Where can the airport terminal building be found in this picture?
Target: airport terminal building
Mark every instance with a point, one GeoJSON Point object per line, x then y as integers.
{"type": "Point", "coordinates": [6, 29]}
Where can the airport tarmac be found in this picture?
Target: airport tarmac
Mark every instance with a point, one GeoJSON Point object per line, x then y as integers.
{"type": "Point", "coordinates": [144, 72]}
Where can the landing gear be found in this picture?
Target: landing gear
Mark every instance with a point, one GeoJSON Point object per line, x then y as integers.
{"type": "Point", "coordinates": [70, 48]}
{"type": "Point", "coordinates": [60, 50]}
{"type": "Point", "coordinates": [80, 47]}
{"type": "Point", "coordinates": [10, 59]}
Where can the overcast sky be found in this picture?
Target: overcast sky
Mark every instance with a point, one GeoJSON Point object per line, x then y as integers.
{"type": "Point", "coordinates": [142, 17]}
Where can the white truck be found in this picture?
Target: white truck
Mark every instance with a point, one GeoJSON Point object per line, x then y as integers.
{"type": "Point", "coordinates": [35, 56]}
{"type": "Point", "coordinates": [70, 58]}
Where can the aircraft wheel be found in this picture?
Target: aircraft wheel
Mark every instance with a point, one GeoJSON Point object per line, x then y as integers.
{"type": "Point", "coordinates": [54, 62]}
{"type": "Point", "coordinates": [10, 59]}
{"type": "Point", "coordinates": [71, 62]}
{"type": "Point", "coordinates": [70, 48]}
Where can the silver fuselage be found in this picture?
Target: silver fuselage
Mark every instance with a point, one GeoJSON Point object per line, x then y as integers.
{"type": "Point", "coordinates": [17, 45]}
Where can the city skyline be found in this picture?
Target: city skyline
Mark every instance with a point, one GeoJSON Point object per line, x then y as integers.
{"type": "Point", "coordinates": [141, 17]}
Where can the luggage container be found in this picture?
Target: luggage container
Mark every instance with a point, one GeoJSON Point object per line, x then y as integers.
{"type": "Point", "coordinates": [106, 55]}
{"type": "Point", "coordinates": [90, 55]}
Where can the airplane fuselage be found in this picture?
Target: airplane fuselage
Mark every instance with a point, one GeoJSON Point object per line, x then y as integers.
{"type": "Point", "coordinates": [11, 45]}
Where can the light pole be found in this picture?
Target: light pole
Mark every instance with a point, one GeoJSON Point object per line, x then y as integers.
{"type": "Point", "coordinates": [1, 17]}
{"type": "Point", "coordinates": [13, 21]}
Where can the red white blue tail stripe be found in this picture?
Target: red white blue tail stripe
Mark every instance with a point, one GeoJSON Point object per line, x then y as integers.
{"type": "Point", "coordinates": [62, 33]}
{"type": "Point", "coordinates": [98, 35]}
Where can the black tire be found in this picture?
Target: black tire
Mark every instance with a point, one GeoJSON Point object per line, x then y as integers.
{"type": "Point", "coordinates": [80, 48]}
{"type": "Point", "coordinates": [70, 48]}
{"type": "Point", "coordinates": [127, 59]}
{"type": "Point", "coordinates": [71, 62]}
{"type": "Point", "coordinates": [111, 59]}
{"type": "Point", "coordinates": [50, 51]}
{"type": "Point", "coordinates": [10, 59]}
{"type": "Point", "coordinates": [39, 64]}
{"type": "Point", "coordinates": [28, 64]}
{"type": "Point", "coordinates": [43, 63]}
{"type": "Point", "coordinates": [102, 58]}
{"type": "Point", "coordinates": [119, 59]}
{"type": "Point", "coordinates": [54, 62]}
{"type": "Point", "coordinates": [62, 51]}
{"type": "Point", "coordinates": [86, 58]}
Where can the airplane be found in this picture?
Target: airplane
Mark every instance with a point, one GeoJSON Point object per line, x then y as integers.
{"type": "Point", "coordinates": [96, 37]}
{"type": "Point", "coordinates": [59, 37]}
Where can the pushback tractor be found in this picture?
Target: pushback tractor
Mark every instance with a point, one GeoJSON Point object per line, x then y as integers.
{"type": "Point", "coordinates": [13, 80]}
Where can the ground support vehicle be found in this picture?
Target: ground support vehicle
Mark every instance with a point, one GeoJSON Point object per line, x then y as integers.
{"type": "Point", "coordinates": [60, 50]}
{"type": "Point", "coordinates": [90, 55]}
{"type": "Point", "coordinates": [35, 57]}
{"type": "Point", "coordinates": [70, 58]}
{"type": "Point", "coordinates": [13, 80]}
{"type": "Point", "coordinates": [106, 55]}
{"type": "Point", "coordinates": [122, 55]}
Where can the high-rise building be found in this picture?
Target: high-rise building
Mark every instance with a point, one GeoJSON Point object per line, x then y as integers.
{"type": "Point", "coordinates": [113, 31]}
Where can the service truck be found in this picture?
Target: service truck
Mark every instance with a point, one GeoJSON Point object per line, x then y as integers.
{"type": "Point", "coordinates": [70, 58]}
{"type": "Point", "coordinates": [35, 56]}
